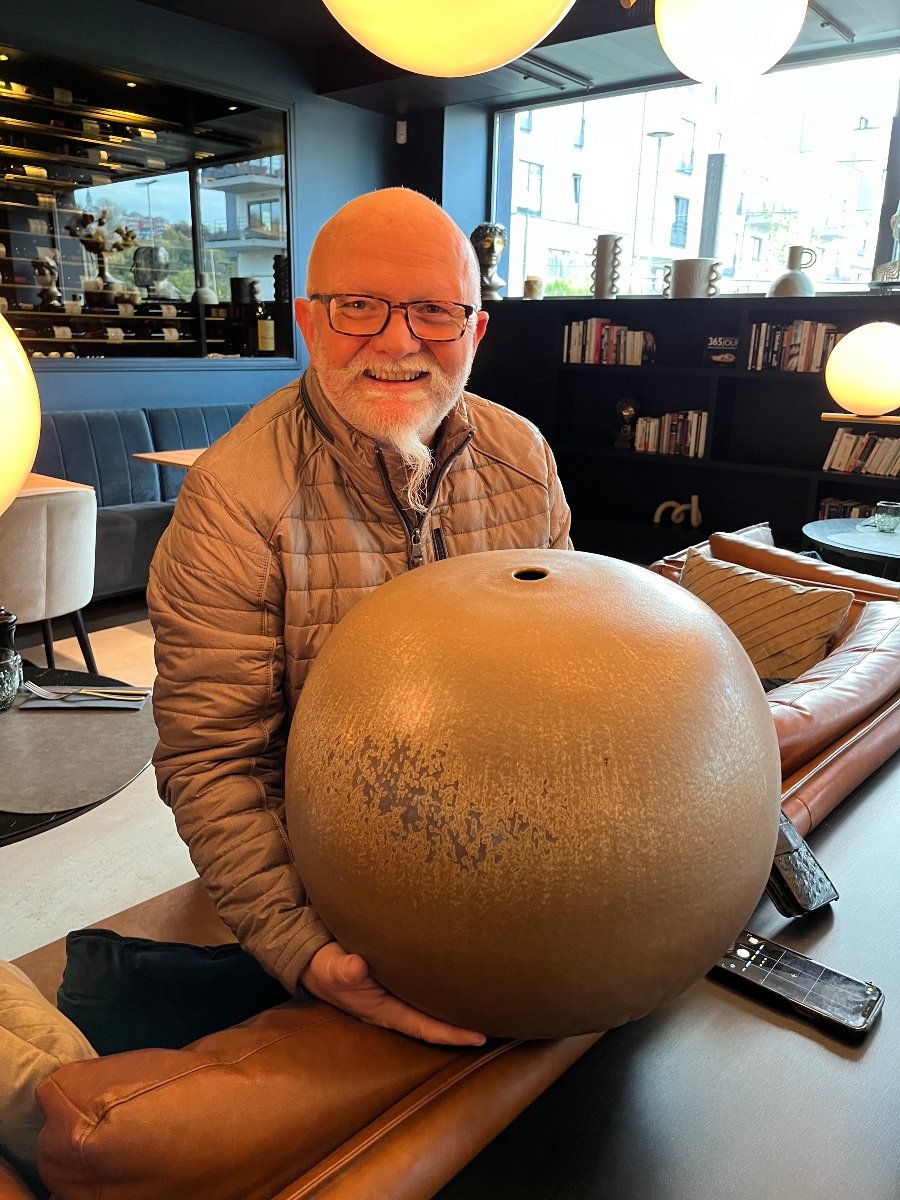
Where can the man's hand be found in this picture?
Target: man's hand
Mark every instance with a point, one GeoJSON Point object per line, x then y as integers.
{"type": "Point", "coordinates": [343, 980]}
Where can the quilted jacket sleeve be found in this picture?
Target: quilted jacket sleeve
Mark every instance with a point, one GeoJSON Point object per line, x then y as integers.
{"type": "Point", "coordinates": [215, 603]}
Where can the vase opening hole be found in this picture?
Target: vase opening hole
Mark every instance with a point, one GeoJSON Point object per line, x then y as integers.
{"type": "Point", "coordinates": [531, 573]}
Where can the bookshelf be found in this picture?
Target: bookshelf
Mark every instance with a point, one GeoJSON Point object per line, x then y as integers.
{"type": "Point", "coordinates": [765, 441]}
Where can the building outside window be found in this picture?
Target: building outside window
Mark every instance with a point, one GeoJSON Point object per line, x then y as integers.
{"type": "Point", "coordinates": [680, 224]}
{"type": "Point", "coordinates": [686, 134]}
{"type": "Point", "coordinates": [530, 192]}
{"type": "Point", "coordinates": [791, 164]}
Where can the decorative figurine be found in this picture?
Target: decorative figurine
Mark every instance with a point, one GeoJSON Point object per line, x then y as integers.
{"type": "Point", "coordinates": [627, 410]}
{"type": "Point", "coordinates": [489, 240]}
{"type": "Point", "coordinates": [150, 267]}
{"type": "Point", "coordinates": [46, 274]}
{"type": "Point", "coordinates": [91, 232]}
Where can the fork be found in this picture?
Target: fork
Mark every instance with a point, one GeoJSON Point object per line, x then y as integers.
{"type": "Point", "coordinates": [110, 693]}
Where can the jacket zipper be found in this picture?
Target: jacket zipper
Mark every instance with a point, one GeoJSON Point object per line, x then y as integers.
{"type": "Point", "coordinates": [414, 532]}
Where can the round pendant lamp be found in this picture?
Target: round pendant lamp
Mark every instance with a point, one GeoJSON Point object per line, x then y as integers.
{"type": "Point", "coordinates": [719, 41]}
{"type": "Point", "coordinates": [20, 415]}
{"type": "Point", "coordinates": [433, 37]}
{"type": "Point", "coordinates": [863, 370]}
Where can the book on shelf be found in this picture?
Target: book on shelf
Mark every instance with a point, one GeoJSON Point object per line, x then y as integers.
{"type": "Point", "coordinates": [599, 341]}
{"type": "Point", "coordinates": [863, 453]}
{"type": "Point", "coordinates": [800, 346]}
{"type": "Point", "coordinates": [720, 350]}
{"type": "Point", "coordinates": [679, 434]}
{"type": "Point", "coordinates": [839, 508]}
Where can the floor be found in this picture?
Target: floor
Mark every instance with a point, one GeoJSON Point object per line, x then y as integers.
{"type": "Point", "coordinates": [113, 856]}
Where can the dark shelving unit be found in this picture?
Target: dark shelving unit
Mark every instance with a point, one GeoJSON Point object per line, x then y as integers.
{"type": "Point", "coordinates": [765, 443]}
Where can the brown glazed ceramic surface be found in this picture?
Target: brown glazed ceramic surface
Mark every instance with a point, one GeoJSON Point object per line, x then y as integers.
{"type": "Point", "coordinates": [538, 791]}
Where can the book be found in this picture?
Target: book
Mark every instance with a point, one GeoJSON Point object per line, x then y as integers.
{"type": "Point", "coordinates": [720, 350]}
{"type": "Point", "coordinates": [844, 450]}
{"type": "Point", "coordinates": [840, 436]}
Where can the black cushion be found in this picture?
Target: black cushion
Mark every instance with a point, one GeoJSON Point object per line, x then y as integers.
{"type": "Point", "coordinates": [127, 993]}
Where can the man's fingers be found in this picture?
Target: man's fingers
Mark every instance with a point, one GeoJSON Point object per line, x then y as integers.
{"type": "Point", "coordinates": [392, 1013]}
{"type": "Point", "coordinates": [351, 969]}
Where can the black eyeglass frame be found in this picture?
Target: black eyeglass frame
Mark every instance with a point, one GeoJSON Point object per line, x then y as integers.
{"type": "Point", "coordinates": [404, 305]}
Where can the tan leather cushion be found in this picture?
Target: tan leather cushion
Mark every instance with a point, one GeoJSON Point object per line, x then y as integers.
{"type": "Point", "coordinates": [738, 548]}
{"type": "Point", "coordinates": [784, 627]}
{"type": "Point", "coordinates": [671, 565]}
{"type": "Point", "coordinates": [35, 1040]}
{"type": "Point", "coordinates": [242, 1112]}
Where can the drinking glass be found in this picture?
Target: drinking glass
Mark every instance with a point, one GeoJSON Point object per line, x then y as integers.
{"type": "Point", "coordinates": [887, 516]}
{"type": "Point", "coordinates": [10, 674]}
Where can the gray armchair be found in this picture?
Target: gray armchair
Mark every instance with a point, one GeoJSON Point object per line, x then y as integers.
{"type": "Point", "coordinates": [47, 547]}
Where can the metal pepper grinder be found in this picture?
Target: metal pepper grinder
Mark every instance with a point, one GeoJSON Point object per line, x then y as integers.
{"type": "Point", "coordinates": [8, 633]}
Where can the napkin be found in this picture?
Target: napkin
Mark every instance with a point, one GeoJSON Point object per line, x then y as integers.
{"type": "Point", "coordinates": [134, 704]}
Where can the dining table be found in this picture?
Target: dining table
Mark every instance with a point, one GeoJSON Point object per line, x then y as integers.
{"type": "Point", "coordinates": [171, 458]}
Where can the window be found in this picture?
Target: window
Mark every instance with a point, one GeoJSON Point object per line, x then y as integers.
{"type": "Point", "coordinates": [680, 224]}
{"type": "Point", "coordinates": [793, 164]}
{"type": "Point", "coordinates": [531, 188]}
{"type": "Point", "coordinates": [579, 130]}
{"type": "Point", "coordinates": [526, 121]}
{"type": "Point", "coordinates": [264, 216]}
{"type": "Point", "coordinates": [687, 131]}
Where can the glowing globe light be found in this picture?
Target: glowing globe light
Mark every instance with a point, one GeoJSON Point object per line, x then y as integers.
{"type": "Point", "coordinates": [20, 416]}
{"type": "Point", "coordinates": [863, 370]}
{"type": "Point", "coordinates": [718, 41]}
{"type": "Point", "coordinates": [433, 37]}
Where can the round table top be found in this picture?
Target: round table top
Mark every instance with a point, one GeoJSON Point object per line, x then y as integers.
{"type": "Point", "coordinates": [56, 763]}
{"type": "Point", "coordinates": [854, 535]}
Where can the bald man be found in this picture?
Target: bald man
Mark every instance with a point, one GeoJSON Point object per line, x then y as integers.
{"type": "Point", "coordinates": [375, 461]}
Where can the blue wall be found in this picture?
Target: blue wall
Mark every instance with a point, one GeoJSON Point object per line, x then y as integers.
{"type": "Point", "coordinates": [335, 152]}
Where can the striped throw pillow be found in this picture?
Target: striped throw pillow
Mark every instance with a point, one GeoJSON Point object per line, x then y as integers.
{"type": "Point", "coordinates": [784, 627]}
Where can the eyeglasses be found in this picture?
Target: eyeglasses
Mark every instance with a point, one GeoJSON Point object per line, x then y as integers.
{"type": "Point", "coordinates": [367, 316]}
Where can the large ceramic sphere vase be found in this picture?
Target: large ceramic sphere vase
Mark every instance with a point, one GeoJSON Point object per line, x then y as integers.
{"type": "Point", "coordinates": [538, 791]}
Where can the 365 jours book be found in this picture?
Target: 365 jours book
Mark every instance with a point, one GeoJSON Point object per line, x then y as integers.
{"type": "Point", "coordinates": [721, 350]}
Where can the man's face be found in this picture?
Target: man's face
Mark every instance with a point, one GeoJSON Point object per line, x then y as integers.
{"type": "Point", "coordinates": [392, 382]}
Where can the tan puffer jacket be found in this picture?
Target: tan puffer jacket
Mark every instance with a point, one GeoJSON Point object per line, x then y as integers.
{"type": "Point", "coordinates": [279, 529]}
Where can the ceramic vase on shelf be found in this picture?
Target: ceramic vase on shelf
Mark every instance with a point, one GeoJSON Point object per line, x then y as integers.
{"type": "Point", "coordinates": [691, 278]}
{"type": "Point", "coordinates": [794, 281]}
{"type": "Point", "coordinates": [607, 255]}
{"type": "Point", "coordinates": [204, 293]}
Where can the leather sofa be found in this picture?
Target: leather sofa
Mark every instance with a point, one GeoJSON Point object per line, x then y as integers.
{"type": "Point", "coordinates": [135, 499]}
{"type": "Point", "coordinates": [838, 722]}
{"type": "Point", "coordinates": [301, 1101]}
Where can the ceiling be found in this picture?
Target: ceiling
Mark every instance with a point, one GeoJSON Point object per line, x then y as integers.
{"type": "Point", "coordinates": [598, 47]}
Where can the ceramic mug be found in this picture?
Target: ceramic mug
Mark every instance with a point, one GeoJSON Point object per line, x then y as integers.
{"type": "Point", "coordinates": [691, 277]}
{"type": "Point", "coordinates": [800, 257]}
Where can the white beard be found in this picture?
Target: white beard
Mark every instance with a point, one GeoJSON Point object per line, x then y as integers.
{"type": "Point", "coordinates": [341, 386]}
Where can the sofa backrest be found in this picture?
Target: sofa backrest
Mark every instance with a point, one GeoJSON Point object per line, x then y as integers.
{"type": "Point", "coordinates": [95, 447]}
{"type": "Point", "coordinates": [183, 428]}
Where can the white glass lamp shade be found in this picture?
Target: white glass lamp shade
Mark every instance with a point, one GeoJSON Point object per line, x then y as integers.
{"type": "Point", "coordinates": [448, 39]}
{"type": "Point", "coordinates": [719, 41]}
{"type": "Point", "coordinates": [863, 370]}
{"type": "Point", "coordinates": [20, 416]}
